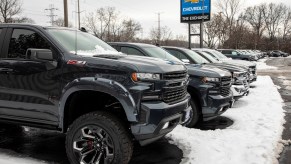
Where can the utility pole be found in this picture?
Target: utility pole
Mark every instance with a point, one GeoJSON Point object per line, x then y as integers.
{"type": "Point", "coordinates": [66, 20]}
{"type": "Point", "coordinates": [52, 15]}
{"type": "Point", "coordinates": [79, 13]}
{"type": "Point", "coordinates": [159, 27]}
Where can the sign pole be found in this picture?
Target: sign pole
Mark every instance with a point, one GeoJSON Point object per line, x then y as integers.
{"type": "Point", "coordinates": [189, 32]}
{"type": "Point", "coordinates": [201, 35]}
{"type": "Point", "coordinates": [201, 25]}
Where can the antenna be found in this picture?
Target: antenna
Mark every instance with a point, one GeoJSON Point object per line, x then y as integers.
{"type": "Point", "coordinates": [52, 15]}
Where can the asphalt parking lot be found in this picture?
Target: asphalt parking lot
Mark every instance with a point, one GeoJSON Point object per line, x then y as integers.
{"type": "Point", "coordinates": [282, 78]}
{"type": "Point", "coordinates": [48, 146]}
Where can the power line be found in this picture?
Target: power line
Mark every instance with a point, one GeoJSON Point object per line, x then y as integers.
{"type": "Point", "coordinates": [52, 15]}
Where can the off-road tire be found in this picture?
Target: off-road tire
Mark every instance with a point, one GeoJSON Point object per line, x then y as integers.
{"type": "Point", "coordinates": [122, 142]}
{"type": "Point", "coordinates": [194, 115]}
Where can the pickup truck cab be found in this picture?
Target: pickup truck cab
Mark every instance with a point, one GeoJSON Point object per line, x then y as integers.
{"type": "Point", "coordinates": [70, 81]}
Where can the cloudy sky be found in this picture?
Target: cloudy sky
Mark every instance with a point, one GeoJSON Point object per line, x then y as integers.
{"type": "Point", "coordinates": [143, 11]}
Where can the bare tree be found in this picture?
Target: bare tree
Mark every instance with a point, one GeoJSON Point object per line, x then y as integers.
{"type": "Point", "coordinates": [8, 9]}
{"type": "Point", "coordinates": [255, 17]}
{"type": "Point", "coordinates": [213, 30]}
{"type": "Point", "coordinates": [163, 35]}
{"type": "Point", "coordinates": [107, 24]}
{"type": "Point", "coordinates": [273, 17]}
{"type": "Point", "coordinates": [286, 30]}
{"type": "Point", "coordinates": [230, 9]}
{"type": "Point", "coordinates": [22, 20]}
{"type": "Point", "coordinates": [130, 29]}
{"type": "Point", "coordinates": [61, 23]}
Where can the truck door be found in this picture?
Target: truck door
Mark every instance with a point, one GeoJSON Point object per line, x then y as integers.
{"type": "Point", "coordinates": [31, 89]}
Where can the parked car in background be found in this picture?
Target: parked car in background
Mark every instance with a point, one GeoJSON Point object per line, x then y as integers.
{"type": "Point", "coordinates": [209, 86]}
{"type": "Point", "coordinates": [240, 75]}
{"type": "Point", "coordinates": [234, 54]}
{"type": "Point", "coordinates": [276, 53]}
{"type": "Point", "coordinates": [252, 67]}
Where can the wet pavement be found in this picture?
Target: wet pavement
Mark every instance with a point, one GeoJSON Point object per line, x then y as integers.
{"type": "Point", "coordinates": [49, 146]}
{"type": "Point", "coordinates": [282, 78]}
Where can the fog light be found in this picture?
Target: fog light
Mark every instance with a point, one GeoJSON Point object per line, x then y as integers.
{"type": "Point", "coordinates": [166, 125]}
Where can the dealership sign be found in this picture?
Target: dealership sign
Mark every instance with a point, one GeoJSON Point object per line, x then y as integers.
{"type": "Point", "coordinates": [195, 10]}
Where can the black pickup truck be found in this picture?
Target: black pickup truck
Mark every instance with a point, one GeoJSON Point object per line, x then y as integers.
{"type": "Point", "coordinates": [209, 86]}
{"type": "Point", "coordinates": [71, 81]}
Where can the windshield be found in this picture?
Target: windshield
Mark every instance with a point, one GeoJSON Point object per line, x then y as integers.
{"type": "Point", "coordinates": [158, 52]}
{"type": "Point", "coordinates": [219, 54]}
{"type": "Point", "coordinates": [196, 57]}
{"type": "Point", "coordinates": [81, 43]}
{"type": "Point", "coordinates": [208, 57]}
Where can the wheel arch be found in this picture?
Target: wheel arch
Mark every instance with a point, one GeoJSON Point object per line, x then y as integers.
{"type": "Point", "coordinates": [99, 86]}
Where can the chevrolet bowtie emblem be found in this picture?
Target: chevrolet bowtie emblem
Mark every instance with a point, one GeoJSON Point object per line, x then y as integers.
{"type": "Point", "coordinates": [192, 1]}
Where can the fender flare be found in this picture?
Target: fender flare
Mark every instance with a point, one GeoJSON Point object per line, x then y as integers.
{"type": "Point", "coordinates": [103, 85]}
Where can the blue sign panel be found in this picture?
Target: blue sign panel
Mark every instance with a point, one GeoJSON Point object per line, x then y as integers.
{"type": "Point", "coordinates": [195, 10]}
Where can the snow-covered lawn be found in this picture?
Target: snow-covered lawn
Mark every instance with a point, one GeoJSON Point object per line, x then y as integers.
{"type": "Point", "coordinates": [261, 65]}
{"type": "Point", "coordinates": [254, 138]}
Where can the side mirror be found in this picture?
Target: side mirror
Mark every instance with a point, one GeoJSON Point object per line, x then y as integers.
{"type": "Point", "coordinates": [186, 61]}
{"type": "Point", "coordinates": [39, 54]}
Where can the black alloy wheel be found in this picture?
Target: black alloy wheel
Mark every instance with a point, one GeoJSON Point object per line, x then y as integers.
{"type": "Point", "coordinates": [99, 138]}
{"type": "Point", "coordinates": [93, 145]}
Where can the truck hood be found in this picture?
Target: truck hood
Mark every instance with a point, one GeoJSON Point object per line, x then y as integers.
{"type": "Point", "coordinates": [206, 71]}
{"type": "Point", "coordinates": [230, 68]}
{"type": "Point", "coordinates": [140, 63]}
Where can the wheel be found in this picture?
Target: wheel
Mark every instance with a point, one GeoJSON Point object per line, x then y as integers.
{"type": "Point", "coordinates": [98, 137]}
{"type": "Point", "coordinates": [194, 115]}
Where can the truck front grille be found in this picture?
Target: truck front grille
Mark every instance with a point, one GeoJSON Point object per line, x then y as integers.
{"type": "Point", "coordinates": [253, 69]}
{"type": "Point", "coordinates": [226, 81]}
{"type": "Point", "coordinates": [225, 86]}
{"type": "Point", "coordinates": [225, 91]}
{"type": "Point", "coordinates": [175, 75]}
{"type": "Point", "coordinates": [173, 95]}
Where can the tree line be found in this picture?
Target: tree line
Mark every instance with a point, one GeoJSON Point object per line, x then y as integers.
{"type": "Point", "coordinates": [266, 26]}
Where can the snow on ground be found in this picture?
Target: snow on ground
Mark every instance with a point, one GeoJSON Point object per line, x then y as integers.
{"type": "Point", "coordinates": [261, 64]}
{"type": "Point", "coordinates": [254, 138]}
{"type": "Point", "coordinates": [13, 158]}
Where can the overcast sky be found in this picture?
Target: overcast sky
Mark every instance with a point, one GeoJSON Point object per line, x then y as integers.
{"type": "Point", "coordinates": [143, 11]}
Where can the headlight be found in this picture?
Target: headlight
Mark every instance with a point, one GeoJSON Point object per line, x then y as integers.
{"type": "Point", "coordinates": [144, 76]}
{"type": "Point", "coordinates": [237, 74]}
{"type": "Point", "coordinates": [210, 79]}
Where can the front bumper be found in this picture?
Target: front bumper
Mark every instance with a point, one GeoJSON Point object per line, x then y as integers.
{"type": "Point", "coordinates": [253, 78]}
{"type": "Point", "coordinates": [216, 106]}
{"type": "Point", "coordinates": [160, 119]}
{"type": "Point", "coordinates": [239, 91]}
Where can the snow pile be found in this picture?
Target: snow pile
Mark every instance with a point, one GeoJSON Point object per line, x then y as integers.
{"type": "Point", "coordinates": [255, 136]}
{"type": "Point", "coordinates": [11, 158]}
{"type": "Point", "coordinates": [261, 64]}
